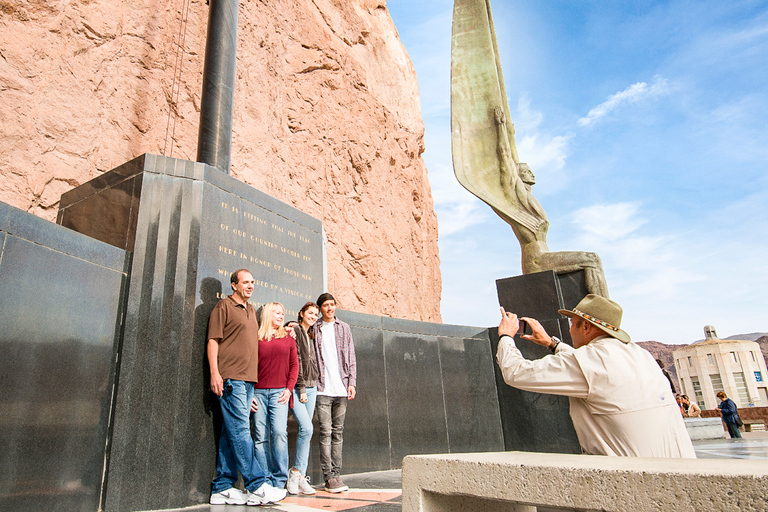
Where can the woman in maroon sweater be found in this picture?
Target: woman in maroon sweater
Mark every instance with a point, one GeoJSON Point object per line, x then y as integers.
{"type": "Point", "coordinates": [278, 371]}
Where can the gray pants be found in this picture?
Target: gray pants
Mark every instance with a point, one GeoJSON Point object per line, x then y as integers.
{"type": "Point", "coordinates": [331, 411]}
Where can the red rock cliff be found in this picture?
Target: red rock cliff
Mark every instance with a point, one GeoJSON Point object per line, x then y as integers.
{"type": "Point", "coordinates": [326, 118]}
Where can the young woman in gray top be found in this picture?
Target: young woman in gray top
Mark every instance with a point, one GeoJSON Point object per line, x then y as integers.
{"type": "Point", "coordinates": [304, 395]}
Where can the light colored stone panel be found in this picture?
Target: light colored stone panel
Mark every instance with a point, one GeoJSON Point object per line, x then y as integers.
{"type": "Point", "coordinates": [583, 482]}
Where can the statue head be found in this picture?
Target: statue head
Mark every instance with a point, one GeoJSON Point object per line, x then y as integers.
{"type": "Point", "coordinates": [526, 174]}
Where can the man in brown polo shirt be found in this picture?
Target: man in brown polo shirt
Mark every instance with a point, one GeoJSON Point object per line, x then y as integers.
{"type": "Point", "coordinates": [233, 355]}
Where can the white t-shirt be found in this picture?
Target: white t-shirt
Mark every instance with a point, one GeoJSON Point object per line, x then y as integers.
{"type": "Point", "coordinates": [333, 383]}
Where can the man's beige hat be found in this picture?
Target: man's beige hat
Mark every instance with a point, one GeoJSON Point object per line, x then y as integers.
{"type": "Point", "coordinates": [602, 313]}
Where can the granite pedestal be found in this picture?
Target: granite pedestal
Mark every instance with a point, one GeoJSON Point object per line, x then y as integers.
{"type": "Point", "coordinates": [535, 421]}
{"type": "Point", "coordinates": [189, 226]}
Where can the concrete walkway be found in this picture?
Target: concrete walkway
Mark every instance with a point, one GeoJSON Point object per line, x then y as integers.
{"type": "Point", "coordinates": [754, 445]}
{"type": "Point", "coordinates": [380, 491]}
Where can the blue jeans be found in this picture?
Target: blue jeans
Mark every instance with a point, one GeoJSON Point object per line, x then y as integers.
{"type": "Point", "coordinates": [331, 411]}
{"type": "Point", "coordinates": [235, 443]}
{"type": "Point", "coordinates": [272, 418]}
{"type": "Point", "coordinates": [304, 413]}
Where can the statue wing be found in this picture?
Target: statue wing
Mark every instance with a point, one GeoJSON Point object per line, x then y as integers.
{"type": "Point", "coordinates": [477, 88]}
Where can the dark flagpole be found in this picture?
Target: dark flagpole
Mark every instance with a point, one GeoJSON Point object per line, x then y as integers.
{"type": "Point", "coordinates": [214, 143]}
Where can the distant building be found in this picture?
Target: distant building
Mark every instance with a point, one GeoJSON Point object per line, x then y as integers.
{"type": "Point", "coordinates": [736, 367]}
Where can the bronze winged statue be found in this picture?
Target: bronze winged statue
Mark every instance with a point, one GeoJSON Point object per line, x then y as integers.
{"type": "Point", "coordinates": [485, 158]}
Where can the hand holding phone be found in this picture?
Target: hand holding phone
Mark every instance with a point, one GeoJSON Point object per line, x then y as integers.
{"type": "Point", "coordinates": [523, 328]}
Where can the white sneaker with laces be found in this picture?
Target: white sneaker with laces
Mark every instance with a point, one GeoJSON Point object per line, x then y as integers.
{"type": "Point", "coordinates": [265, 495]}
{"type": "Point", "coordinates": [292, 486]}
{"type": "Point", "coordinates": [231, 496]}
{"type": "Point", "coordinates": [304, 486]}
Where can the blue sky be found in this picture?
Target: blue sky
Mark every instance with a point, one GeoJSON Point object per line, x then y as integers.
{"type": "Point", "coordinates": [645, 124]}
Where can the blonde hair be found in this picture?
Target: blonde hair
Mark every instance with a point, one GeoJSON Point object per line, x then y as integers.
{"type": "Point", "coordinates": [265, 327]}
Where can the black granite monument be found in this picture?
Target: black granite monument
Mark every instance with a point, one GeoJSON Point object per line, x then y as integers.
{"type": "Point", "coordinates": [188, 226]}
{"type": "Point", "coordinates": [422, 388]}
{"type": "Point", "coordinates": [535, 421]}
{"type": "Point", "coordinates": [110, 400]}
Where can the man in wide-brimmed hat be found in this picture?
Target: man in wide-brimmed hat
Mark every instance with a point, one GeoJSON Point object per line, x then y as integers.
{"type": "Point", "coordinates": [621, 404]}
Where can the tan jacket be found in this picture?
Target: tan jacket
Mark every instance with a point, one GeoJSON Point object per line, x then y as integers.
{"type": "Point", "coordinates": [620, 402]}
{"type": "Point", "coordinates": [694, 411]}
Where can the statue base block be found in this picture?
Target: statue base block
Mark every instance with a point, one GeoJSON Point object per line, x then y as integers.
{"type": "Point", "coordinates": [535, 421]}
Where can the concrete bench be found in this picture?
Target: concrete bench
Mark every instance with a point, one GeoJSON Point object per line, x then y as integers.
{"type": "Point", "coordinates": [704, 428]}
{"type": "Point", "coordinates": [525, 481]}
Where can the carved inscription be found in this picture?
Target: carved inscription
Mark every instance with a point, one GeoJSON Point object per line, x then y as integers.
{"type": "Point", "coordinates": [275, 254]}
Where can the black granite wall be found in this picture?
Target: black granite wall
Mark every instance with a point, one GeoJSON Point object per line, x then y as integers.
{"type": "Point", "coordinates": [421, 388]}
{"type": "Point", "coordinates": [61, 307]}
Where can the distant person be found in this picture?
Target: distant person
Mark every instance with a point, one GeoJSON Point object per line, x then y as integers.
{"type": "Point", "coordinates": [233, 355]}
{"type": "Point", "coordinates": [620, 402]}
{"type": "Point", "coordinates": [278, 372]}
{"type": "Point", "coordinates": [304, 397]}
{"type": "Point", "coordinates": [691, 409]}
{"type": "Point", "coordinates": [336, 383]}
{"type": "Point", "coordinates": [730, 415]}
{"type": "Point", "coordinates": [666, 374]}
{"type": "Point", "coordinates": [679, 400]}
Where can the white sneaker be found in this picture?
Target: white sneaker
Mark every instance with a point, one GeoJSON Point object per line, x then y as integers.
{"type": "Point", "coordinates": [265, 495]}
{"type": "Point", "coordinates": [292, 485]}
{"type": "Point", "coordinates": [304, 486]}
{"type": "Point", "coordinates": [231, 496]}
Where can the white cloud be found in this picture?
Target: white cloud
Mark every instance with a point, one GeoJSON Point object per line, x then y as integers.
{"type": "Point", "coordinates": [609, 221]}
{"type": "Point", "coordinates": [526, 118]}
{"type": "Point", "coordinates": [545, 155]}
{"type": "Point", "coordinates": [632, 94]}
{"type": "Point", "coordinates": [456, 216]}
{"type": "Point", "coordinates": [726, 48]}
{"type": "Point", "coordinates": [637, 264]}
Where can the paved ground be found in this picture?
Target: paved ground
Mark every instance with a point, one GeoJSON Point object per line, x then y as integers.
{"type": "Point", "coordinates": [369, 492]}
{"type": "Point", "coordinates": [754, 445]}
{"type": "Point", "coordinates": [380, 491]}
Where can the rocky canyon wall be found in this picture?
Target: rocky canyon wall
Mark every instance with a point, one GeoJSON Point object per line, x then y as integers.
{"type": "Point", "coordinates": [326, 118]}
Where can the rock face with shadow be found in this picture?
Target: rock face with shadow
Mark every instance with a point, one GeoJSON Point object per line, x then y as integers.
{"type": "Point", "coordinates": [326, 118]}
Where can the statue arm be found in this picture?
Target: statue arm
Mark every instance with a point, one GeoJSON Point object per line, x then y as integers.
{"type": "Point", "coordinates": [507, 166]}
{"type": "Point", "coordinates": [509, 176]}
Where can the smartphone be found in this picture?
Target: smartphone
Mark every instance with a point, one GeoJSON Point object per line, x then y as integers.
{"type": "Point", "coordinates": [524, 328]}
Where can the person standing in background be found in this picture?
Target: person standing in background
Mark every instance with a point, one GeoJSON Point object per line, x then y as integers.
{"type": "Point", "coordinates": [667, 375]}
{"type": "Point", "coordinates": [692, 410]}
{"type": "Point", "coordinates": [730, 415]}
